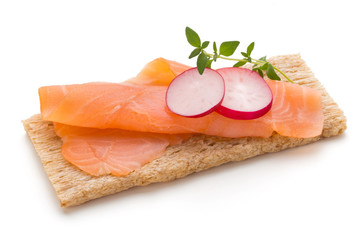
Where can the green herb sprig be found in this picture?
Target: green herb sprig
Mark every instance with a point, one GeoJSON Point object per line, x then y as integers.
{"type": "Point", "coordinates": [226, 49]}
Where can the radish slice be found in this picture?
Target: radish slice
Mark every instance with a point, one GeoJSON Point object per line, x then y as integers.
{"type": "Point", "coordinates": [247, 95]}
{"type": "Point", "coordinates": [193, 95]}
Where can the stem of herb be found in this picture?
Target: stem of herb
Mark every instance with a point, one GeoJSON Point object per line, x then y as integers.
{"type": "Point", "coordinates": [283, 74]}
{"type": "Point", "coordinates": [254, 60]}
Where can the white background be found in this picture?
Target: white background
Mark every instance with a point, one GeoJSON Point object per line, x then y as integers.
{"type": "Point", "coordinates": [311, 192]}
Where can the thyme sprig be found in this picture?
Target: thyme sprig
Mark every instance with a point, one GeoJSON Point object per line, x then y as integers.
{"type": "Point", "coordinates": [227, 49]}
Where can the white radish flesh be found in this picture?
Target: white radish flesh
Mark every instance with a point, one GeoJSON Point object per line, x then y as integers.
{"type": "Point", "coordinates": [193, 95]}
{"type": "Point", "coordinates": [247, 95]}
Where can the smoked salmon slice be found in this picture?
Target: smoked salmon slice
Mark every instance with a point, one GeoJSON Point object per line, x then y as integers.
{"type": "Point", "coordinates": [137, 108]}
{"type": "Point", "coordinates": [112, 151]}
{"type": "Point", "coordinates": [296, 111]}
{"type": "Point", "coordinates": [159, 72]}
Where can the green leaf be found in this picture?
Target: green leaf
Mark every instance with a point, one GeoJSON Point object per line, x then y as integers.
{"type": "Point", "coordinates": [250, 48]}
{"type": "Point", "coordinates": [205, 44]}
{"type": "Point", "coordinates": [244, 54]}
{"type": "Point", "coordinates": [201, 62]}
{"type": "Point", "coordinates": [264, 66]}
{"type": "Point", "coordinates": [215, 47]}
{"type": "Point", "coordinates": [192, 37]}
{"type": "Point", "coordinates": [228, 48]}
{"type": "Point", "coordinates": [215, 56]}
{"type": "Point", "coordinates": [270, 72]}
{"type": "Point", "coordinates": [195, 52]}
{"type": "Point", "coordinates": [240, 63]}
{"type": "Point", "coordinates": [263, 58]}
{"type": "Point", "coordinates": [260, 72]}
{"type": "Point", "coordinates": [208, 64]}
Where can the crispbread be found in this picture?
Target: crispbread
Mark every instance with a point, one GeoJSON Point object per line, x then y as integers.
{"type": "Point", "coordinates": [74, 187]}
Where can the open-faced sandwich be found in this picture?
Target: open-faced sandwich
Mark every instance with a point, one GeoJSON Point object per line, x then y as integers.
{"type": "Point", "coordinates": [172, 120]}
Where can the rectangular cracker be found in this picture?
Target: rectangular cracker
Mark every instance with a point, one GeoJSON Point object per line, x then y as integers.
{"type": "Point", "coordinates": [73, 186]}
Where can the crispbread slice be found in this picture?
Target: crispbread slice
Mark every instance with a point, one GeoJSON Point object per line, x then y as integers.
{"type": "Point", "coordinates": [74, 187]}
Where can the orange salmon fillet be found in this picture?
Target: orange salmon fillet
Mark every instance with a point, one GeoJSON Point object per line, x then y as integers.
{"type": "Point", "coordinates": [112, 151]}
{"type": "Point", "coordinates": [296, 111]}
{"type": "Point", "coordinates": [159, 72]}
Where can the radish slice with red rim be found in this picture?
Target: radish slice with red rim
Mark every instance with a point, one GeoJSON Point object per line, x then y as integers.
{"type": "Point", "coordinates": [193, 95]}
{"type": "Point", "coordinates": [247, 95]}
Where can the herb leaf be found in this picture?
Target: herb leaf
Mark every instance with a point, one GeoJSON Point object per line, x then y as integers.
{"type": "Point", "coordinates": [240, 63]}
{"type": "Point", "coordinates": [264, 67]}
{"type": "Point", "coordinates": [192, 37]}
{"type": "Point", "coordinates": [215, 56]}
{"type": "Point", "coordinates": [270, 72]}
{"type": "Point", "coordinates": [244, 54]}
{"type": "Point", "coordinates": [214, 47]}
{"type": "Point", "coordinates": [201, 62]}
{"type": "Point", "coordinates": [195, 52]}
{"type": "Point", "coordinates": [260, 72]}
{"type": "Point", "coordinates": [208, 64]}
{"type": "Point", "coordinates": [263, 58]}
{"type": "Point", "coordinates": [250, 48]}
{"type": "Point", "coordinates": [205, 44]}
{"type": "Point", "coordinates": [228, 48]}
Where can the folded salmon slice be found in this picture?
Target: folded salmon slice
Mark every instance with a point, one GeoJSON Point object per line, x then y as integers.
{"type": "Point", "coordinates": [112, 151]}
{"type": "Point", "coordinates": [296, 110]}
{"type": "Point", "coordinates": [159, 72]}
